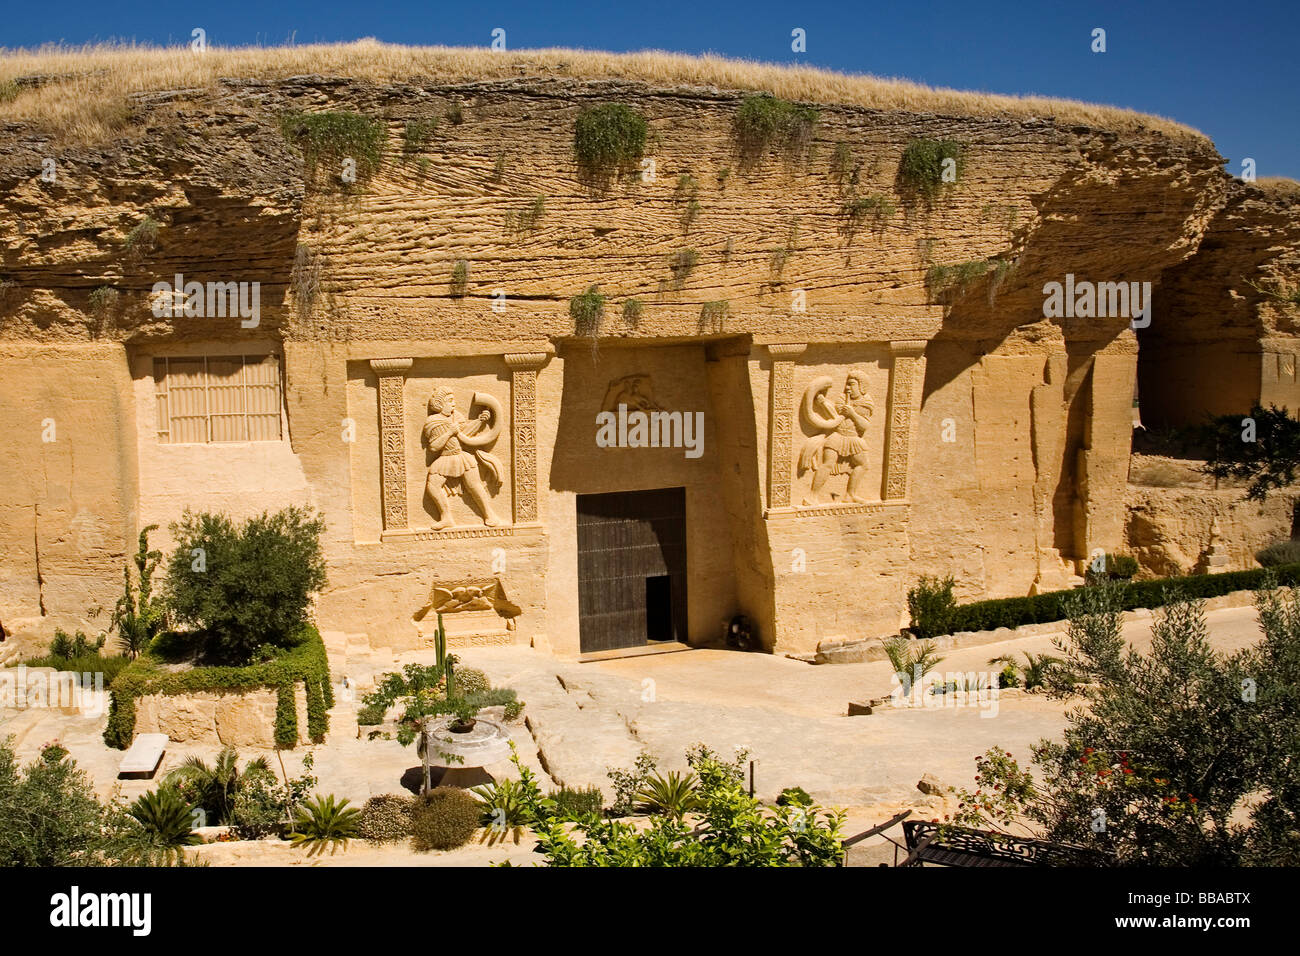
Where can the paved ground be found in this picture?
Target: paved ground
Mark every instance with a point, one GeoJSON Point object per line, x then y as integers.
{"type": "Point", "coordinates": [582, 719]}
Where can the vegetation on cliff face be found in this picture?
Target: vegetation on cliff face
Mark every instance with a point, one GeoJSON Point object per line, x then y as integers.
{"type": "Point", "coordinates": [765, 122]}
{"type": "Point", "coordinates": [608, 138]}
{"type": "Point", "coordinates": [337, 135]}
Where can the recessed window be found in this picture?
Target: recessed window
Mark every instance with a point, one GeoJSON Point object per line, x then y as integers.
{"type": "Point", "coordinates": [217, 398]}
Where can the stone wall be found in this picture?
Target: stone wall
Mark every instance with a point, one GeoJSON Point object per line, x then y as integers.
{"type": "Point", "coordinates": [245, 720]}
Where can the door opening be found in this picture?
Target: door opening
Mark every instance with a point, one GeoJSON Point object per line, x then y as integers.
{"type": "Point", "coordinates": [631, 569]}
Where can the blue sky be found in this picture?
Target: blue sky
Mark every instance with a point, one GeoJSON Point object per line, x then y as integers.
{"type": "Point", "coordinates": [1231, 70]}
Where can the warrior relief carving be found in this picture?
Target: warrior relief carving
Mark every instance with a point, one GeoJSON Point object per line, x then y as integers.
{"type": "Point", "coordinates": [842, 449]}
{"type": "Point", "coordinates": [459, 449]}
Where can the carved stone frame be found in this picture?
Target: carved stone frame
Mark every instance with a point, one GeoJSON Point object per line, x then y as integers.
{"type": "Point", "coordinates": [392, 439]}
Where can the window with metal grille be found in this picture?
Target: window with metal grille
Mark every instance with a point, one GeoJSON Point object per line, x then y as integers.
{"type": "Point", "coordinates": [217, 398]}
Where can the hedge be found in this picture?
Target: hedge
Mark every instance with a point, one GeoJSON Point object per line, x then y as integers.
{"type": "Point", "coordinates": [304, 662]}
{"type": "Point", "coordinates": [1049, 606]}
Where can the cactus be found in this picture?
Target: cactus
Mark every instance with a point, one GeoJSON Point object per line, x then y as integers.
{"type": "Point", "coordinates": [446, 661]}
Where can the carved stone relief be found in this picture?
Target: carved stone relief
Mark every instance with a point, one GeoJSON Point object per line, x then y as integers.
{"type": "Point", "coordinates": [392, 438]}
{"type": "Point", "coordinates": [635, 391]}
{"type": "Point", "coordinates": [461, 461]}
{"type": "Point", "coordinates": [842, 447]}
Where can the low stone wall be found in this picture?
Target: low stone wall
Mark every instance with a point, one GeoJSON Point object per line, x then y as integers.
{"type": "Point", "coordinates": [235, 719]}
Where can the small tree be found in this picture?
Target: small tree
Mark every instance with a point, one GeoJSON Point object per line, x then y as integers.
{"type": "Point", "coordinates": [242, 587]}
{"type": "Point", "coordinates": [931, 605]}
{"type": "Point", "coordinates": [1179, 757]}
{"type": "Point", "coordinates": [1262, 447]}
{"type": "Point", "coordinates": [138, 616]}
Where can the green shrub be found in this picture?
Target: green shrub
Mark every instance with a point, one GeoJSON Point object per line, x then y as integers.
{"type": "Point", "coordinates": [632, 309]}
{"type": "Point", "coordinates": [416, 135]}
{"type": "Point", "coordinates": [323, 823]}
{"type": "Point", "coordinates": [103, 301]}
{"type": "Point", "coordinates": [386, 818]}
{"type": "Point", "coordinates": [336, 136]}
{"type": "Point", "coordinates": [513, 709]}
{"type": "Point", "coordinates": [876, 208]}
{"type": "Point", "coordinates": [1117, 567]}
{"type": "Point", "coordinates": [1049, 606]}
{"type": "Point", "coordinates": [682, 265]}
{"type": "Point", "coordinates": [764, 122]}
{"type": "Point", "coordinates": [530, 216]}
{"type": "Point", "coordinates": [608, 138]}
{"type": "Point", "coordinates": [587, 309]}
{"type": "Point", "coordinates": [931, 604]}
{"type": "Point", "coordinates": [713, 316]}
{"type": "Point", "coordinates": [445, 818]}
{"type": "Point", "coordinates": [253, 584]}
{"type": "Point", "coordinates": [304, 661]}
{"type": "Point", "coordinates": [1282, 552]}
{"type": "Point", "coordinates": [794, 797]}
{"type": "Point", "coordinates": [110, 667]}
{"type": "Point", "coordinates": [458, 285]}
{"type": "Point", "coordinates": [143, 238]}
{"type": "Point", "coordinates": [138, 616]}
{"type": "Point", "coordinates": [950, 281]}
{"type": "Point", "coordinates": [471, 681]}
{"type": "Point", "coordinates": [165, 819]}
{"type": "Point", "coordinates": [740, 831]}
{"type": "Point", "coordinates": [920, 171]}
{"type": "Point", "coordinates": [629, 783]}
{"type": "Point", "coordinates": [371, 715]}
{"type": "Point", "coordinates": [316, 717]}
{"type": "Point", "coordinates": [672, 795]}
{"type": "Point", "coordinates": [841, 164]}
{"type": "Point", "coordinates": [578, 803]}
{"type": "Point", "coordinates": [214, 788]}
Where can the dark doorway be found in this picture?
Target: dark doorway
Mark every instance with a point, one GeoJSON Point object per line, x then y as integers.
{"type": "Point", "coordinates": [631, 568]}
{"type": "Point", "coordinates": [659, 608]}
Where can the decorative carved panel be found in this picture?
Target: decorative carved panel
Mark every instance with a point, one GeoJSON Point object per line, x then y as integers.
{"type": "Point", "coordinates": [902, 389]}
{"type": "Point", "coordinates": [392, 438]}
{"type": "Point", "coordinates": [523, 418]}
{"type": "Point", "coordinates": [781, 424]}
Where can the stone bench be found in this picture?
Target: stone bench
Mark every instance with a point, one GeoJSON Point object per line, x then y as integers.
{"type": "Point", "coordinates": [143, 758]}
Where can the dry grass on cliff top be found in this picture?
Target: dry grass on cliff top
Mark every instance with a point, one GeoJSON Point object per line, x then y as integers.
{"type": "Point", "coordinates": [85, 97]}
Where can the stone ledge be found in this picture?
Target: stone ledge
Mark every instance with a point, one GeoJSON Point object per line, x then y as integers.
{"type": "Point", "coordinates": [451, 534]}
{"type": "Point", "coordinates": [832, 510]}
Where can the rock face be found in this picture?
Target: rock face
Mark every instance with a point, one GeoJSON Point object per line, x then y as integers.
{"type": "Point", "coordinates": [233, 720]}
{"type": "Point", "coordinates": [992, 443]}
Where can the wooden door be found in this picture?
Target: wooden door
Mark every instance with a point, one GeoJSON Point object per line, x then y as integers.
{"type": "Point", "coordinates": [628, 541]}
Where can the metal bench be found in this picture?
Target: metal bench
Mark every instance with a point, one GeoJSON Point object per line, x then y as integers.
{"type": "Point", "coordinates": [944, 845]}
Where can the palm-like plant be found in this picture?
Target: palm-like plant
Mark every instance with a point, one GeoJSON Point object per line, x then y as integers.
{"type": "Point", "coordinates": [672, 795]}
{"type": "Point", "coordinates": [908, 656]}
{"type": "Point", "coordinates": [1037, 668]}
{"type": "Point", "coordinates": [166, 820]}
{"type": "Point", "coordinates": [214, 788]}
{"type": "Point", "coordinates": [323, 824]}
{"type": "Point", "coordinates": [505, 811]}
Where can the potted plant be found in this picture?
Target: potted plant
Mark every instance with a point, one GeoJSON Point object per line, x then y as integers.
{"type": "Point", "coordinates": [465, 713]}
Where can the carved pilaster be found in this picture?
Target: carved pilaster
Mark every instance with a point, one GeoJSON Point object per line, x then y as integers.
{"type": "Point", "coordinates": [392, 438]}
{"type": "Point", "coordinates": [903, 376]}
{"type": "Point", "coordinates": [780, 427]}
{"type": "Point", "coordinates": [523, 422]}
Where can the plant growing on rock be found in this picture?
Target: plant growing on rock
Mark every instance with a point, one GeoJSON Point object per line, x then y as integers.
{"type": "Point", "coordinates": [587, 309]}
{"type": "Point", "coordinates": [336, 136]}
{"type": "Point", "coordinates": [632, 309]}
{"type": "Point", "coordinates": [682, 265]}
{"type": "Point", "coordinates": [416, 135]}
{"type": "Point", "coordinates": [947, 282]}
{"type": "Point", "coordinates": [713, 316]}
{"type": "Point", "coordinates": [608, 139]}
{"type": "Point", "coordinates": [857, 211]}
{"type": "Point", "coordinates": [928, 165]}
{"type": "Point", "coordinates": [458, 285]}
{"type": "Point", "coordinates": [765, 122]}
{"type": "Point", "coordinates": [142, 239]}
